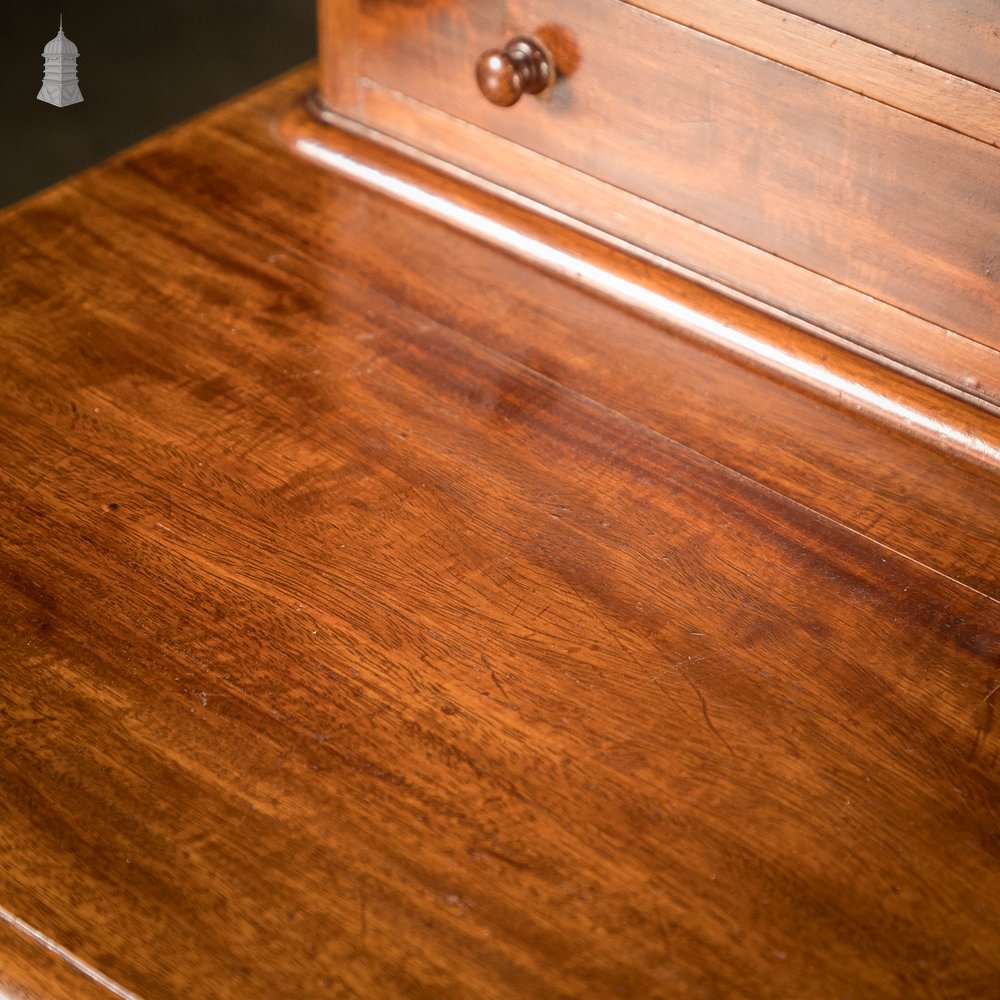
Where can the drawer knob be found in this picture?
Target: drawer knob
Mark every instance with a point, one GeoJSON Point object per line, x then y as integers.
{"type": "Point", "coordinates": [522, 66]}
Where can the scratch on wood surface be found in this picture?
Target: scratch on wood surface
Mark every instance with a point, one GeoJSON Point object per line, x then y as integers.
{"type": "Point", "coordinates": [983, 718]}
{"type": "Point", "coordinates": [500, 687]}
{"type": "Point", "coordinates": [493, 675]}
{"type": "Point", "coordinates": [701, 698]}
{"type": "Point", "coordinates": [491, 852]}
{"type": "Point", "coordinates": [708, 720]}
{"type": "Point", "coordinates": [677, 666]}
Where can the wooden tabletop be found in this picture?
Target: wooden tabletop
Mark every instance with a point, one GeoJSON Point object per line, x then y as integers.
{"type": "Point", "coordinates": [383, 617]}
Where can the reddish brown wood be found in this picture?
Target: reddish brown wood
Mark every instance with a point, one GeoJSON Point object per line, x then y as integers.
{"type": "Point", "coordinates": [361, 635]}
{"type": "Point", "coordinates": [337, 35]}
{"type": "Point", "coordinates": [606, 360]}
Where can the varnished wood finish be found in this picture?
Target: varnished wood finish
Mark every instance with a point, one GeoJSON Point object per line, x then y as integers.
{"type": "Point", "coordinates": [337, 29]}
{"type": "Point", "coordinates": [631, 282]}
{"type": "Point", "coordinates": [382, 616]}
{"type": "Point", "coordinates": [824, 174]}
{"type": "Point", "coordinates": [913, 510]}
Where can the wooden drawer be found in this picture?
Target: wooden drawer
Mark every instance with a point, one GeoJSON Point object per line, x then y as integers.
{"type": "Point", "coordinates": [962, 38]}
{"type": "Point", "coordinates": [747, 157]}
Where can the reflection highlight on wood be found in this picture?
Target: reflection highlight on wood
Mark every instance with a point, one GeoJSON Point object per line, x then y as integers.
{"type": "Point", "coordinates": [36, 968]}
{"type": "Point", "coordinates": [770, 344]}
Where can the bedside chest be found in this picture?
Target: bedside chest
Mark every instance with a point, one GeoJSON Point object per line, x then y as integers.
{"type": "Point", "coordinates": [838, 166]}
{"type": "Point", "coordinates": [514, 552]}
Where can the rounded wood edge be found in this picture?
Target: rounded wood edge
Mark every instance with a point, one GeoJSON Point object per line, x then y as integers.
{"type": "Point", "coordinates": [965, 429]}
{"type": "Point", "coordinates": [32, 965]}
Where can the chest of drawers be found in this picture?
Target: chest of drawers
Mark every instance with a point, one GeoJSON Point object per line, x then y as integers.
{"type": "Point", "coordinates": [838, 166]}
{"type": "Point", "coordinates": [584, 586]}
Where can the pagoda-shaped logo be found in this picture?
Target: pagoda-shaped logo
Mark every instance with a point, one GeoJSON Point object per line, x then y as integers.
{"type": "Point", "coordinates": [59, 86]}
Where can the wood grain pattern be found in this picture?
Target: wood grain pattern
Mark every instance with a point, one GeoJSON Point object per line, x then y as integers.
{"type": "Point", "coordinates": [351, 649]}
{"type": "Point", "coordinates": [895, 207]}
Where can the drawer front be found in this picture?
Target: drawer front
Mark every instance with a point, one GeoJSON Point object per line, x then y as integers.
{"type": "Point", "coordinates": [879, 200]}
{"type": "Point", "coordinates": [960, 36]}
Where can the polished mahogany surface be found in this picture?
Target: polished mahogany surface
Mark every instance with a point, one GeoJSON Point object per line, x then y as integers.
{"type": "Point", "coordinates": [382, 616]}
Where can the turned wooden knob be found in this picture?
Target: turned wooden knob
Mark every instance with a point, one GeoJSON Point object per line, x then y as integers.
{"type": "Point", "coordinates": [522, 66]}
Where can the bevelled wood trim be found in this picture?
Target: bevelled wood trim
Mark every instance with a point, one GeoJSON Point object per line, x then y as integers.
{"type": "Point", "coordinates": [825, 307]}
{"type": "Point", "coordinates": [763, 340]}
{"type": "Point", "coordinates": [34, 966]}
{"type": "Point", "coordinates": [841, 59]}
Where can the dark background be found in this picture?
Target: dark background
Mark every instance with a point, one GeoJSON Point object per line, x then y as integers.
{"type": "Point", "coordinates": [143, 65]}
